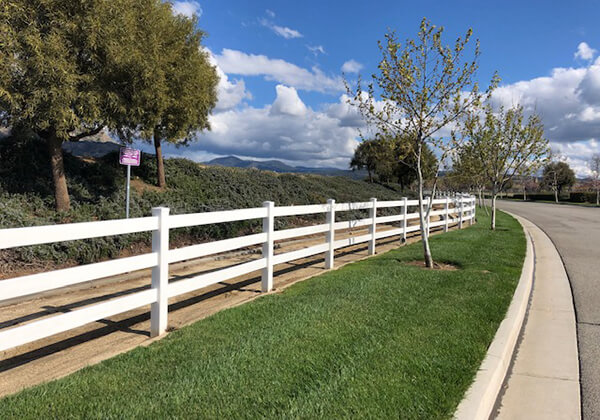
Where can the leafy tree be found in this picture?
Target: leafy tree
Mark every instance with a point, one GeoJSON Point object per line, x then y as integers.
{"type": "Point", "coordinates": [423, 86]}
{"type": "Point", "coordinates": [388, 159]}
{"type": "Point", "coordinates": [468, 171]}
{"type": "Point", "coordinates": [506, 146]}
{"type": "Point", "coordinates": [405, 164]}
{"type": "Point", "coordinates": [594, 164]}
{"type": "Point", "coordinates": [178, 92]}
{"type": "Point", "coordinates": [70, 68]}
{"type": "Point", "coordinates": [366, 156]}
{"type": "Point", "coordinates": [557, 176]}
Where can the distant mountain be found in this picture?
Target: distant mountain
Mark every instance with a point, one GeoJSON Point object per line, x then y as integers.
{"type": "Point", "coordinates": [278, 166]}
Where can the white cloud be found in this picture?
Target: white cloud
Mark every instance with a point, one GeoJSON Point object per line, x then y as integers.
{"type": "Point", "coordinates": [270, 13]}
{"type": "Point", "coordinates": [277, 70]}
{"type": "Point", "coordinates": [288, 102]}
{"type": "Point", "coordinates": [584, 51]}
{"type": "Point", "coordinates": [578, 154]}
{"type": "Point", "coordinates": [569, 103]}
{"type": "Point", "coordinates": [282, 31]}
{"type": "Point", "coordinates": [229, 93]}
{"type": "Point", "coordinates": [287, 130]}
{"type": "Point", "coordinates": [352, 66]}
{"type": "Point", "coordinates": [316, 49]}
{"type": "Point", "coordinates": [187, 8]}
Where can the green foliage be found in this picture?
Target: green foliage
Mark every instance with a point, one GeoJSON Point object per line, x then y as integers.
{"type": "Point", "coordinates": [98, 194]}
{"type": "Point", "coordinates": [389, 160]}
{"type": "Point", "coordinates": [177, 92]}
{"type": "Point", "coordinates": [71, 67]}
{"type": "Point", "coordinates": [375, 339]}
{"type": "Point", "coordinates": [557, 176]}
{"type": "Point", "coordinates": [421, 87]}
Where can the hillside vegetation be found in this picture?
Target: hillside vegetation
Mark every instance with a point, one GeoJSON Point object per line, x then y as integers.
{"type": "Point", "coordinates": [97, 189]}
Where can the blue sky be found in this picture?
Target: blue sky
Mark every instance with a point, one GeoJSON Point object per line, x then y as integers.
{"type": "Point", "coordinates": [281, 62]}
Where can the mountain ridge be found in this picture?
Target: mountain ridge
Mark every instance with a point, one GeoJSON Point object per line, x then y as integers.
{"type": "Point", "coordinates": [281, 167]}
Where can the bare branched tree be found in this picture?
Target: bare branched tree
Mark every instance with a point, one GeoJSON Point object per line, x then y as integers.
{"type": "Point", "coordinates": [422, 87]}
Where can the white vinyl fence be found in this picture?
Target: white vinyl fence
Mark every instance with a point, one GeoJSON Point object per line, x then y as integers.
{"type": "Point", "coordinates": [454, 210]}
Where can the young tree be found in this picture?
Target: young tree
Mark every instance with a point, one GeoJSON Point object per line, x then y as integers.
{"type": "Point", "coordinates": [423, 86]}
{"type": "Point", "coordinates": [468, 170]}
{"type": "Point", "coordinates": [506, 146]}
{"type": "Point", "coordinates": [594, 164]}
{"type": "Point", "coordinates": [557, 176]}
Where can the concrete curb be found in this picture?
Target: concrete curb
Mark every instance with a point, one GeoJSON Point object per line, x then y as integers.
{"type": "Point", "coordinates": [480, 399]}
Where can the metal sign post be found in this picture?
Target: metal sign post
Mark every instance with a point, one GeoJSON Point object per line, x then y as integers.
{"type": "Point", "coordinates": [129, 157]}
{"type": "Point", "coordinates": [128, 183]}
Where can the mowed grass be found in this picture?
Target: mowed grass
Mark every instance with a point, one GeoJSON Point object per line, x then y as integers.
{"type": "Point", "coordinates": [375, 339]}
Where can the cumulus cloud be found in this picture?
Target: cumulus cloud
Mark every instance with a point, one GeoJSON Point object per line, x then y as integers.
{"type": "Point", "coordinates": [578, 154]}
{"type": "Point", "coordinates": [352, 66]}
{"type": "Point", "coordinates": [187, 8]}
{"type": "Point", "coordinates": [277, 70]}
{"type": "Point", "coordinates": [569, 103]}
{"type": "Point", "coordinates": [229, 93]}
{"type": "Point", "coordinates": [282, 31]}
{"type": "Point", "coordinates": [287, 129]}
{"type": "Point", "coordinates": [287, 102]}
{"type": "Point", "coordinates": [584, 51]}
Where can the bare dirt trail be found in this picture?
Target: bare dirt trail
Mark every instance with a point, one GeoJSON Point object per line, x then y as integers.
{"type": "Point", "coordinates": [65, 353]}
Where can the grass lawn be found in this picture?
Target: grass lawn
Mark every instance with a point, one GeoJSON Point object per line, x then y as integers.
{"type": "Point", "coordinates": [377, 338]}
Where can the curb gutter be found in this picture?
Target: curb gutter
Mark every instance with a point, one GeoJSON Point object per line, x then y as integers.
{"type": "Point", "coordinates": [480, 399]}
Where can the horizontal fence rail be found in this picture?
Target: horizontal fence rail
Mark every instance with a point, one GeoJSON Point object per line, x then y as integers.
{"type": "Point", "coordinates": [441, 212]}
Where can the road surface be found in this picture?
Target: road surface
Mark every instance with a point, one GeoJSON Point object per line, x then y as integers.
{"type": "Point", "coordinates": [575, 231]}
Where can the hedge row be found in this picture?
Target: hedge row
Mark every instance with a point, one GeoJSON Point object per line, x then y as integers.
{"type": "Point", "coordinates": [97, 193]}
{"type": "Point", "coordinates": [574, 197]}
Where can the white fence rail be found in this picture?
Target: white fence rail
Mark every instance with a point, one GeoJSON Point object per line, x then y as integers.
{"type": "Point", "coordinates": [447, 211]}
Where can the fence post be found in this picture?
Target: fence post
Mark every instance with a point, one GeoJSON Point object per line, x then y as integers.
{"type": "Point", "coordinates": [160, 273]}
{"type": "Point", "coordinates": [471, 212]}
{"type": "Point", "coordinates": [447, 215]}
{"type": "Point", "coordinates": [372, 228]}
{"type": "Point", "coordinates": [267, 248]}
{"type": "Point", "coordinates": [329, 255]}
{"type": "Point", "coordinates": [404, 221]}
{"type": "Point", "coordinates": [460, 215]}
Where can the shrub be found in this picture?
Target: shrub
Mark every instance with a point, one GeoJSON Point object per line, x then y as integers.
{"type": "Point", "coordinates": [97, 193]}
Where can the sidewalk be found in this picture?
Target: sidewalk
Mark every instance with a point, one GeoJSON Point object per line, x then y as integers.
{"type": "Point", "coordinates": [543, 382]}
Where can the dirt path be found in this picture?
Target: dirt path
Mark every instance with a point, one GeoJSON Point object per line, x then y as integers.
{"type": "Point", "coordinates": [65, 353]}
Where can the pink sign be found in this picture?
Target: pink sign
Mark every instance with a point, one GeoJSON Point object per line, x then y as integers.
{"type": "Point", "coordinates": [129, 156]}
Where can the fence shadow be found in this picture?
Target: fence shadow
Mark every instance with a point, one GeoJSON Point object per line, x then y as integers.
{"type": "Point", "coordinates": [128, 324]}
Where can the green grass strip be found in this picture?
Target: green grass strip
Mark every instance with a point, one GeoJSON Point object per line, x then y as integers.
{"type": "Point", "coordinates": [374, 339]}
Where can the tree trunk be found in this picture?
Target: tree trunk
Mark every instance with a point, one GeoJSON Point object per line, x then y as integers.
{"type": "Point", "coordinates": [482, 203]}
{"type": "Point", "coordinates": [160, 167]}
{"type": "Point", "coordinates": [556, 195]}
{"type": "Point", "coordinates": [597, 197]}
{"type": "Point", "coordinates": [370, 176]}
{"type": "Point", "coordinates": [61, 191]}
{"type": "Point", "coordinates": [524, 194]}
{"type": "Point", "coordinates": [493, 223]}
{"type": "Point", "coordinates": [493, 218]}
{"type": "Point", "coordinates": [424, 235]}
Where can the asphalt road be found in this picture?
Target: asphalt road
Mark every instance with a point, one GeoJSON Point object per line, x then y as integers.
{"type": "Point", "coordinates": [575, 231]}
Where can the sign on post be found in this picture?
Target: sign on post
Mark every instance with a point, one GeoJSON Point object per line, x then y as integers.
{"type": "Point", "coordinates": [129, 157]}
